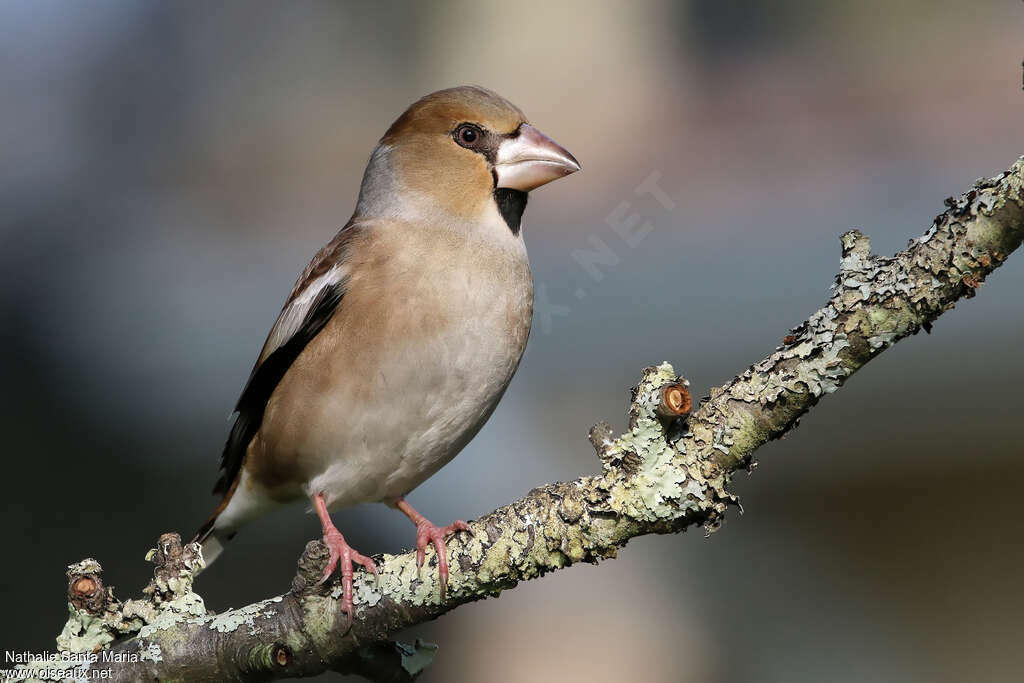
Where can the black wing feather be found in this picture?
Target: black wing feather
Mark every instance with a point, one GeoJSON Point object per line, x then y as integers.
{"type": "Point", "coordinates": [264, 379]}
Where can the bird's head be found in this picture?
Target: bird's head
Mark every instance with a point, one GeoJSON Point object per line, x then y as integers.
{"type": "Point", "coordinates": [461, 151]}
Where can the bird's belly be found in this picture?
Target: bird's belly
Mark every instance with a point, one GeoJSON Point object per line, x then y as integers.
{"type": "Point", "coordinates": [419, 416]}
{"type": "Point", "coordinates": [372, 425]}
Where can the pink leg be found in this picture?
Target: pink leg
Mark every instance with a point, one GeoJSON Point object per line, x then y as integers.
{"type": "Point", "coordinates": [427, 532]}
{"type": "Point", "coordinates": [342, 556]}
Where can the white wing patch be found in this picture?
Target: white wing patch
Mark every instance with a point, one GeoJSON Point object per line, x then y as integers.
{"type": "Point", "coordinates": [291, 318]}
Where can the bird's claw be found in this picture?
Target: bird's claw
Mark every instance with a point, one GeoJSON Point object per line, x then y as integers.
{"type": "Point", "coordinates": [344, 557]}
{"type": "Point", "coordinates": [427, 532]}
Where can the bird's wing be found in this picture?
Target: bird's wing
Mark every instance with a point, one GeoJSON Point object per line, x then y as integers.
{"type": "Point", "coordinates": [313, 301]}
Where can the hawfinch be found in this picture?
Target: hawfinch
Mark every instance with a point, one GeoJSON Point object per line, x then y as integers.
{"type": "Point", "coordinates": [401, 335]}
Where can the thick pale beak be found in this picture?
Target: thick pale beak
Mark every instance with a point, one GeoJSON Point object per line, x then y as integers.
{"type": "Point", "coordinates": [532, 159]}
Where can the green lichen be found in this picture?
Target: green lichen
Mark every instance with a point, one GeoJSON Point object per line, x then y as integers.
{"type": "Point", "coordinates": [651, 492]}
{"type": "Point", "coordinates": [647, 478]}
{"type": "Point", "coordinates": [170, 602]}
{"type": "Point", "coordinates": [232, 619]}
{"type": "Point", "coordinates": [367, 592]}
{"type": "Point", "coordinates": [86, 566]}
{"type": "Point", "coordinates": [319, 618]}
{"type": "Point", "coordinates": [140, 612]}
{"type": "Point", "coordinates": [150, 652]}
{"type": "Point", "coordinates": [184, 607]}
{"type": "Point", "coordinates": [84, 632]}
{"type": "Point", "coordinates": [175, 603]}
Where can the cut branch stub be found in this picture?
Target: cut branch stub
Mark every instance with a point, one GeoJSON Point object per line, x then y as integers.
{"type": "Point", "coordinates": [85, 587]}
{"type": "Point", "coordinates": [282, 655]}
{"type": "Point", "coordinates": [175, 562]}
{"type": "Point", "coordinates": [311, 567]}
{"type": "Point", "coordinates": [273, 657]}
{"type": "Point", "coordinates": [649, 394]}
{"type": "Point", "coordinates": [675, 401]}
{"type": "Point", "coordinates": [601, 438]}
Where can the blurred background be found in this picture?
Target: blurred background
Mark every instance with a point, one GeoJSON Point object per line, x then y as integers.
{"type": "Point", "coordinates": [167, 169]}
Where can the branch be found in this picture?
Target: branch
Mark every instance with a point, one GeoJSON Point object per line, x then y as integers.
{"type": "Point", "coordinates": [661, 476]}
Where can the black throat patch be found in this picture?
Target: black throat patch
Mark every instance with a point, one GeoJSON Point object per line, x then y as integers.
{"type": "Point", "coordinates": [511, 204]}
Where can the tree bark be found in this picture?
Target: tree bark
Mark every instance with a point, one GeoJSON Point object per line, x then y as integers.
{"type": "Point", "coordinates": [662, 476]}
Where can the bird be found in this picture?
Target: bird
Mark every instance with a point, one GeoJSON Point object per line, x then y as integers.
{"type": "Point", "coordinates": [400, 337]}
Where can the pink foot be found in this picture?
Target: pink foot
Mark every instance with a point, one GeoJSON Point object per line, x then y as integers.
{"type": "Point", "coordinates": [428, 532]}
{"type": "Point", "coordinates": [343, 556]}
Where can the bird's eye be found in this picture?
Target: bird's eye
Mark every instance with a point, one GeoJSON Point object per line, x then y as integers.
{"type": "Point", "coordinates": [468, 135]}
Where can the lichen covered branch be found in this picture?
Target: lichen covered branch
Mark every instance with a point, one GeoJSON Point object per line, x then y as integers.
{"type": "Point", "coordinates": [662, 475]}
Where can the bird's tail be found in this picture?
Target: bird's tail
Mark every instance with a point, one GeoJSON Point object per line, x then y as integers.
{"type": "Point", "coordinates": [211, 539]}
